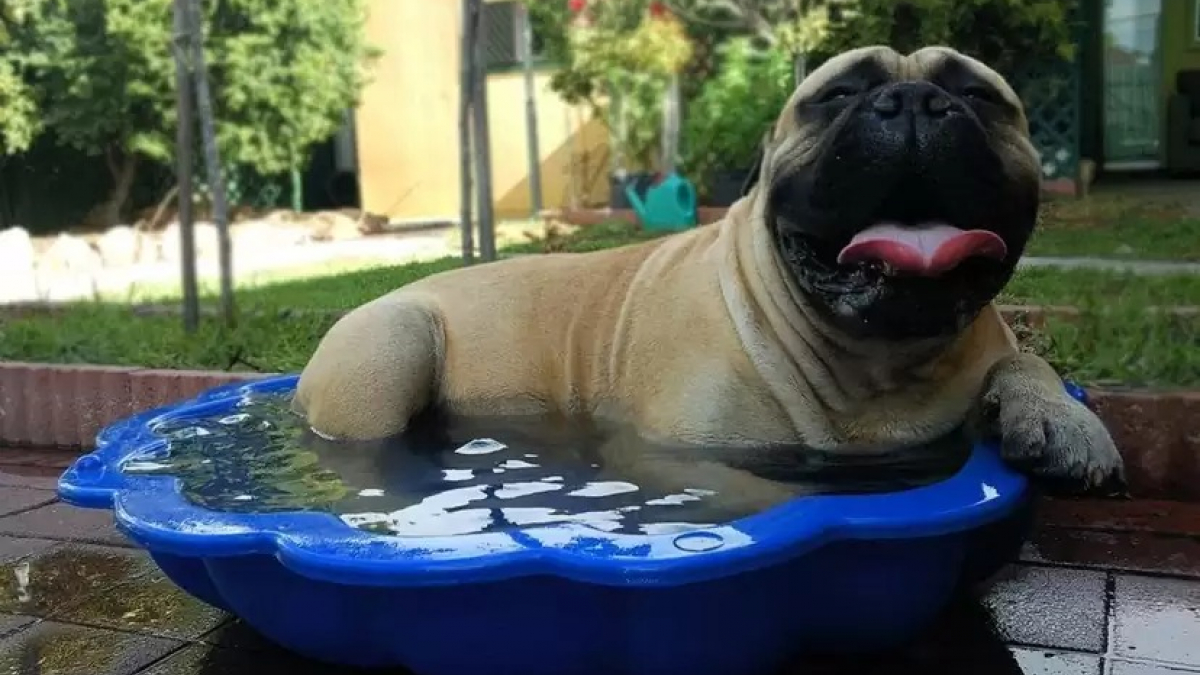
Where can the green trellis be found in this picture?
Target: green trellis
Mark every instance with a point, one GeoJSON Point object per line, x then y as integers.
{"type": "Point", "coordinates": [245, 187]}
{"type": "Point", "coordinates": [1051, 96]}
{"type": "Point", "coordinates": [1051, 93]}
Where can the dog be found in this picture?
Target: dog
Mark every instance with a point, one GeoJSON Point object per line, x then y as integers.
{"type": "Point", "coordinates": [843, 305]}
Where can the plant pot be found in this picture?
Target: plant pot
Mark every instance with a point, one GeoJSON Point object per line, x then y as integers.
{"type": "Point", "coordinates": [641, 181]}
{"type": "Point", "coordinates": [725, 187]}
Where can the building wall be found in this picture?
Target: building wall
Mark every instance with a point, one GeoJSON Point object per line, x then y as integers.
{"type": "Point", "coordinates": [407, 125]}
{"type": "Point", "coordinates": [1181, 49]}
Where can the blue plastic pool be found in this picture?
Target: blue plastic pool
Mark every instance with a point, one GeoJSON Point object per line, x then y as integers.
{"type": "Point", "coordinates": [827, 573]}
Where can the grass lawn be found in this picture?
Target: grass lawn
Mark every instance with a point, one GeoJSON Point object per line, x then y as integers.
{"type": "Point", "coordinates": [1114, 341]}
{"type": "Point", "coordinates": [1118, 226]}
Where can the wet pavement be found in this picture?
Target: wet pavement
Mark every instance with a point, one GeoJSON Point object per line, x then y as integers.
{"type": "Point", "coordinates": [1100, 590]}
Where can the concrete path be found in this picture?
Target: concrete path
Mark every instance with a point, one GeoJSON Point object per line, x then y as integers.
{"type": "Point", "coordinates": [1146, 267]}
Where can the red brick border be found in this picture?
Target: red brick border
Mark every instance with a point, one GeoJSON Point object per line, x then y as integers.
{"type": "Point", "coordinates": [1159, 436]}
{"type": "Point", "coordinates": [64, 406]}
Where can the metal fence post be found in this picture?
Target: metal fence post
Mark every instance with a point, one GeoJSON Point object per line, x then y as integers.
{"type": "Point", "coordinates": [180, 47]}
{"type": "Point", "coordinates": [531, 116]}
{"type": "Point", "coordinates": [482, 137]}
{"type": "Point", "coordinates": [466, 93]}
{"type": "Point", "coordinates": [212, 160]}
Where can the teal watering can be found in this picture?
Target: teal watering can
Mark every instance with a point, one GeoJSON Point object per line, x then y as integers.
{"type": "Point", "coordinates": [668, 205]}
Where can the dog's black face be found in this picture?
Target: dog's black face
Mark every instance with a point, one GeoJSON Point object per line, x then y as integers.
{"type": "Point", "coordinates": [901, 190]}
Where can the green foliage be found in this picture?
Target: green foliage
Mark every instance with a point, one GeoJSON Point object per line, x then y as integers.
{"type": "Point", "coordinates": [99, 76]}
{"type": "Point", "coordinates": [725, 123]}
{"type": "Point", "coordinates": [19, 123]}
{"type": "Point", "coordinates": [18, 119]}
{"type": "Point", "coordinates": [284, 72]}
{"type": "Point", "coordinates": [104, 76]}
{"type": "Point", "coordinates": [618, 58]}
{"type": "Point", "coordinates": [1009, 35]}
{"type": "Point", "coordinates": [635, 117]}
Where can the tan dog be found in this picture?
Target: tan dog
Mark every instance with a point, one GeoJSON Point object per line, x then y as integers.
{"type": "Point", "coordinates": [844, 304]}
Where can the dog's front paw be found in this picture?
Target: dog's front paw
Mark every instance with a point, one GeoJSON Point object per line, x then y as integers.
{"type": "Point", "coordinates": [1060, 442]}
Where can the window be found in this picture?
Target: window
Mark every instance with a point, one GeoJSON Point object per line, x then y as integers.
{"type": "Point", "coordinates": [500, 26]}
{"type": "Point", "coordinates": [1196, 21]}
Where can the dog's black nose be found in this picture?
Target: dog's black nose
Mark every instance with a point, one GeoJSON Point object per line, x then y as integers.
{"type": "Point", "coordinates": [917, 98]}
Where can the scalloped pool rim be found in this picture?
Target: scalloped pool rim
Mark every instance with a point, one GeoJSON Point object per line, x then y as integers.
{"type": "Point", "coordinates": [153, 512]}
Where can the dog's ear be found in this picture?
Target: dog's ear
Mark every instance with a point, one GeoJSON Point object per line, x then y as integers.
{"type": "Point", "coordinates": [755, 175]}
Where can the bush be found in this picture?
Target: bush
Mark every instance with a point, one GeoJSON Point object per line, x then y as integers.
{"type": "Point", "coordinates": [1009, 35]}
{"type": "Point", "coordinates": [726, 122]}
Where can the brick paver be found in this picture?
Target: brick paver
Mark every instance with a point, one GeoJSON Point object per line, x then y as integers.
{"type": "Point", "coordinates": [75, 599]}
{"type": "Point", "coordinates": [64, 523]}
{"type": "Point", "coordinates": [1156, 618]}
{"type": "Point", "coordinates": [48, 648]}
{"type": "Point", "coordinates": [1051, 607]}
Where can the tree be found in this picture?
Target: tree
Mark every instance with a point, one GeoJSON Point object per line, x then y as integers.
{"type": "Point", "coordinates": [18, 111]}
{"type": "Point", "coordinates": [100, 74]}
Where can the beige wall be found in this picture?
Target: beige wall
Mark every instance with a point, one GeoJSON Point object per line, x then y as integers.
{"type": "Point", "coordinates": [407, 125]}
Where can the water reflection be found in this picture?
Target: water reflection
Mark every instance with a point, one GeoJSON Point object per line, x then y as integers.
{"type": "Point", "coordinates": [456, 475]}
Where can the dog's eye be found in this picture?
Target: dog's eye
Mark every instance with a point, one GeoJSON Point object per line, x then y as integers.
{"type": "Point", "coordinates": [837, 93]}
{"type": "Point", "coordinates": [979, 93]}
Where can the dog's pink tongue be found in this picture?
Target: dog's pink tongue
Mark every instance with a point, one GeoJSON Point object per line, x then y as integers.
{"type": "Point", "coordinates": [928, 250]}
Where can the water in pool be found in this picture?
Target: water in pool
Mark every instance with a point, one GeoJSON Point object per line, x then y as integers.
{"type": "Point", "coordinates": [465, 475]}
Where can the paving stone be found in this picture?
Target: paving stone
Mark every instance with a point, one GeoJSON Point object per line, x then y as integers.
{"type": "Point", "coordinates": [1127, 552]}
{"type": "Point", "coordinates": [150, 604]}
{"type": "Point", "coordinates": [49, 462]}
{"type": "Point", "coordinates": [1157, 619]}
{"type": "Point", "coordinates": [15, 548]}
{"type": "Point", "coordinates": [15, 499]}
{"type": "Point", "coordinates": [1054, 608]}
{"type": "Point", "coordinates": [23, 477]}
{"type": "Point", "coordinates": [56, 649]}
{"type": "Point", "coordinates": [1039, 662]}
{"type": "Point", "coordinates": [1137, 668]}
{"type": "Point", "coordinates": [203, 659]}
{"type": "Point", "coordinates": [66, 575]}
{"type": "Point", "coordinates": [11, 623]}
{"type": "Point", "coordinates": [65, 522]}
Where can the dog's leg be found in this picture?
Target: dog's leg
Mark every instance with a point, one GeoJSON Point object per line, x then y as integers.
{"type": "Point", "coordinates": [376, 368]}
{"type": "Point", "coordinates": [1043, 430]}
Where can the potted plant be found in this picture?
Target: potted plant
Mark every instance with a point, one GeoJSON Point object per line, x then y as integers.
{"type": "Point", "coordinates": [621, 56]}
{"type": "Point", "coordinates": [725, 123]}
{"type": "Point", "coordinates": [635, 126]}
